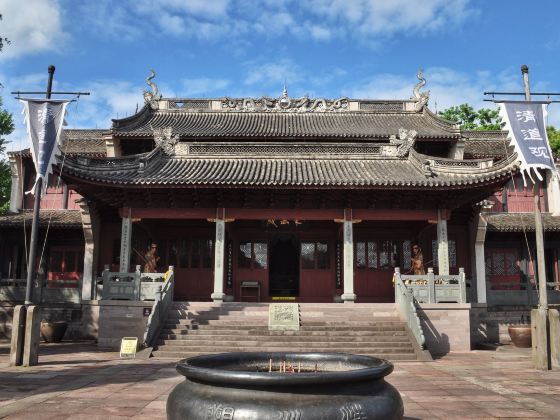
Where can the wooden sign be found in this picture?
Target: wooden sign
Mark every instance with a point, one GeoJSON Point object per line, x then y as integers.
{"type": "Point", "coordinates": [128, 347]}
{"type": "Point", "coordinates": [283, 316]}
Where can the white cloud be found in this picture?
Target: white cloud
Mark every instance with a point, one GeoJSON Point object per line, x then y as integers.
{"type": "Point", "coordinates": [385, 18]}
{"type": "Point", "coordinates": [203, 86]}
{"type": "Point", "coordinates": [32, 26]}
{"type": "Point", "coordinates": [273, 73]}
{"type": "Point", "coordinates": [322, 20]}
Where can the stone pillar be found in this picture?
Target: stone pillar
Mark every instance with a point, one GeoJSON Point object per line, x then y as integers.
{"type": "Point", "coordinates": [16, 193]}
{"type": "Point", "coordinates": [219, 245]}
{"type": "Point", "coordinates": [90, 224]}
{"type": "Point", "coordinates": [553, 193]}
{"type": "Point", "coordinates": [113, 146]}
{"type": "Point", "coordinates": [126, 238]}
{"type": "Point", "coordinates": [443, 246]}
{"type": "Point", "coordinates": [32, 336]}
{"type": "Point", "coordinates": [480, 259]}
{"type": "Point", "coordinates": [348, 259]}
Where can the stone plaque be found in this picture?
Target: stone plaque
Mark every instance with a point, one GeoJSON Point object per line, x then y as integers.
{"type": "Point", "coordinates": [283, 316]}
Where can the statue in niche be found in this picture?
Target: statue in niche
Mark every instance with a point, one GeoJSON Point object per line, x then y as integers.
{"type": "Point", "coordinates": [417, 261]}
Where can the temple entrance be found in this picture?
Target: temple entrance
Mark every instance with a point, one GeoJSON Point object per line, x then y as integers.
{"type": "Point", "coordinates": [284, 265]}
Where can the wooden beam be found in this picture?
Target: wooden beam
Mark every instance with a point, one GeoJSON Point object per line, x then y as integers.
{"type": "Point", "coordinates": [289, 214]}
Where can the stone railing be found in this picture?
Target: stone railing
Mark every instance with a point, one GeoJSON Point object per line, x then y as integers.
{"type": "Point", "coordinates": [130, 286]}
{"type": "Point", "coordinates": [13, 290]}
{"type": "Point", "coordinates": [431, 288]}
{"type": "Point", "coordinates": [162, 304]}
{"type": "Point", "coordinates": [520, 293]}
{"type": "Point", "coordinates": [407, 307]}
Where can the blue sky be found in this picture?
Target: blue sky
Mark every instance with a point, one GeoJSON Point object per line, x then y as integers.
{"type": "Point", "coordinates": [324, 48]}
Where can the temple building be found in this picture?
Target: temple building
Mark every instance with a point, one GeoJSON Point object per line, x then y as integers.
{"type": "Point", "coordinates": [284, 199]}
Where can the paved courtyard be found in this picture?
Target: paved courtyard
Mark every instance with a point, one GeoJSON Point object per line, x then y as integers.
{"type": "Point", "coordinates": [79, 381]}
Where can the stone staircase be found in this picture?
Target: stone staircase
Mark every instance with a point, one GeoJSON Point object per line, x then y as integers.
{"type": "Point", "coordinates": [373, 329]}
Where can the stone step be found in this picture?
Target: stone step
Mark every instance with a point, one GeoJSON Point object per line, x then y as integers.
{"type": "Point", "coordinates": [263, 335]}
{"type": "Point", "coordinates": [284, 343]}
{"type": "Point", "coordinates": [376, 327]}
{"type": "Point", "coordinates": [348, 335]}
{"type": "Point", "coordinates": [264, 321]}
{"type": "Point", "coordinates": [186, 354]}
{"type": "Point", "coordinates": [295, 348]}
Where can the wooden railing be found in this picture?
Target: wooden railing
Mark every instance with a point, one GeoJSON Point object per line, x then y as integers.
{"type": "Point", "coordinates": [406, 305]}
{"type": "Point", "coordinates": [162, 304]}
{"type": "Point", "coordinates": [431, 288]}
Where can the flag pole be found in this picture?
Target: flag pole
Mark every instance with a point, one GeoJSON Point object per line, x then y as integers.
{"type": "Point", "coordinates": [31, 263]}
{"type": "Point", "coordinates": [539, 235]}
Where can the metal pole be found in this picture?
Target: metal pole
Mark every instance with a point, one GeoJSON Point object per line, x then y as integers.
{"type": "Point", "coordinates": [539, 236]}
{"type": "Point", "coordinates": [31, 269]}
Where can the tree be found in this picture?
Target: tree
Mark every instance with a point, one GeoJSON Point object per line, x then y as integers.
{"type": "Point", "coordinates": [469, 119]}
{"type": "Point", "coordinates": [6, 127]}
{"type": "Point", "coordinates": [554, 139]}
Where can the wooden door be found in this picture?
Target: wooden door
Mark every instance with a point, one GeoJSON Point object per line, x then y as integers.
{"type": "Point", "coordinates": [374, 264]}
{"type": "Point", "coordinates": [317, 278]}
{"type": "Point", "coordinates": [65, 267]}
{"type": "Point", "coordinates": [252, 263]}
{"type": "Point", "coordinates": [194, 267]}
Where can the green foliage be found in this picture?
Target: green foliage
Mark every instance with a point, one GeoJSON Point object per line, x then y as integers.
{"type": "Point", "coordinates": [6, 127]}
{"type": "Point", "coordinates": [554, 139]}
{"type": "Point", "coordinates": [469, 119]}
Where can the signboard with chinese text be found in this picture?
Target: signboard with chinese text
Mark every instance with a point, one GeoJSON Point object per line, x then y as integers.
{"type": "Point", "coordinates": [44, 119]}
{"type": "Point", "coordinates": [526, 123]}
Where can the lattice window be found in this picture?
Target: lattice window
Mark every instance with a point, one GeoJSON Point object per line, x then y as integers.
{"type": "Point", "coordinates": [244, 255]}
{"type": "Point", "coordinates": [189, 104]}
{"type": "Point", "coordinates": [407, 254]}
{"type": "Point", "coordinates": [388, 254]}
{"type": "Point", "coordinates": [203, 149]}
{"type": "Point", "coordinates": [322, 251]}
{"type": "Point", "coordinates": [307, 255]}
{"type": "Point", "coordinates": [360, 255]}
{"type": "Point", "coordinates": [372, 254]}
{"type": "Point", "coordinates": [260, 250]}
{"type": "Point", "coordinates": [381, 106]}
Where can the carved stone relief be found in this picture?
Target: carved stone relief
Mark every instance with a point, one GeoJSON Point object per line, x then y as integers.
{"type": "Point", "coordinates": [164, 138]}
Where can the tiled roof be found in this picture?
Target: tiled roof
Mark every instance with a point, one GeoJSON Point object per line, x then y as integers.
{"type": "Point", "coordinates": [58, 219]}
{"type": "Point", "coordinates": [316, 172]}
{"type": "Point", "coordinates": [481, 144]}
{"type": "Point", "coordinates": [77, 142]}
{"type": "Point", "coordinates": [517, 222]}
{"type": "Point", "coordinates": [284, 125]}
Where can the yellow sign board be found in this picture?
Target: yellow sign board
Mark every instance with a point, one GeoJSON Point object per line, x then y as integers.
{"type": "Point", "coordinates": [129, 346]}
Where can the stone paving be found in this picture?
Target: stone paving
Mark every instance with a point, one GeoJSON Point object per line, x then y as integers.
{"type": "Point", "coordinates": [80, 381]}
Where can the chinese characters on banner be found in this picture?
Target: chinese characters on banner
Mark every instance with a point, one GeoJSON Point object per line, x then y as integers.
{"type": "Point", "coordinates": [44, 119]}
{"type": "Point", "coordinates": [526, 123]}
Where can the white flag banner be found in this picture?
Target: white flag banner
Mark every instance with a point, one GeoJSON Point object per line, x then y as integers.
{"type": "Point", "coordinates": [526, 123]}
{"type": "Point", "coordinates": [44, 119]}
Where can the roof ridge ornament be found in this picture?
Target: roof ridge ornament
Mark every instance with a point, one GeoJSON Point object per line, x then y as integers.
{"type": "Point", "coordinates": [420, 97]}
{"type": "Point", "coordinates": [405, 141]}
{"type": "Point", "coordinates": [285, 104]}
{"type": "Point", "coordinates": [164, 139]}
{"type": "Point", "coordinates": [152, 98]}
